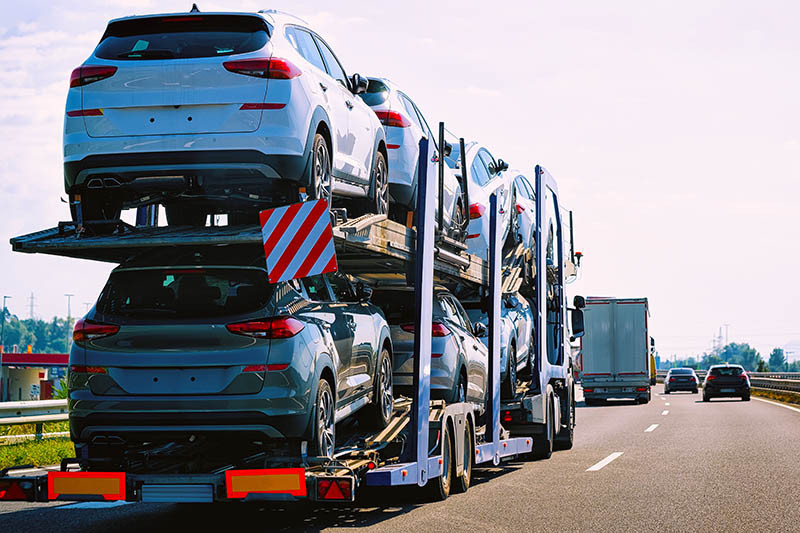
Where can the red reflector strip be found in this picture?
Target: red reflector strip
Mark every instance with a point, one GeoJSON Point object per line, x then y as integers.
{"type": "Point", "coordinates": [109, 485]}
{"type": "Point", "coordinates": [255, 107]}
{"type": "Point", "coordinates": [641, 389]}
{"type": "Point", "coordinates": [392, 146]}
{"type": "Point", "coordinates": [334, 489]}
{"type": "Point", "coordinates": [473, 236]}
{"type": "Point", "coordinates": [276, 367]}
{"type": "Point", "coordinates": [254, 368]}
{"type": "Point", "coordinates": [240, 483]}
{"type": "Point", "coordinates": [588, 390]}
{"type": "Point", "coordinates": [85, 113]}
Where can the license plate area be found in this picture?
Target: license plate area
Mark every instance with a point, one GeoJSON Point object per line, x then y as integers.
{"type": "Point", "coordinates": [727, 390]}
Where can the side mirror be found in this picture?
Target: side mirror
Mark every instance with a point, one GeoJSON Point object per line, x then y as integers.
{"type": "Point", "coordinates": [480, 329]}
{"type": "Point", "coordinates": [448, 149]}
{"type": "Point", "coordinates": [579, 302]}
{"type": "Point", "coordinates": [577, 324]}
{"type": "Point", "coordinates": [501, 165]}
{"type": "Point", "coordinates": [364, 293]}
{"type": "Point", "coordinates": [359, 84]}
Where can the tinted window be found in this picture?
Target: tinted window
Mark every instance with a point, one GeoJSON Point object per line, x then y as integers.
{"type": "Point", "coordinates": [449, 309]}
{"type": "Point", "coordinates": [465, 319]}
{"type": "Point", "coordinates": [479, 173]}
{"type": "Point", "coordinates": [317, 289]}
{"type": "Point", "coordinates": [522, 190]}
{"type": "Point", "coordinates": [377, 93]}
{"type": "Point", "coordinates": [488, 160]}
{"type": "Point", "coordinates": [334, 68]}
{"type": "Point", "coordinates": [727, 371]}
{"type": "Point", "coordinates": [184, 293]}
{"type": "Point", "coordinates": [682, 371]}
{"type": "Point", "coordinates": [182, 37]}
{"type": "Point", "coordinates": [304, 44]}
{"type": "Point", "coordinates": [410, 112]}
{"type": "Point", "coordinates": [342, 288]}
{"type": "Point", "coordinates": [398, 306]}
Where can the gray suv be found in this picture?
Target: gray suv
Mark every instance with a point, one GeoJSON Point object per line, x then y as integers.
{"type": "Point", "coordinates": [209, 349]}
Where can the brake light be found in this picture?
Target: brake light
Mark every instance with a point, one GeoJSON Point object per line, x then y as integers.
{"type": "Point", "coordinates": [272, 68]}
{"type": "Point", "coordinates": [710, 377]}
{"type": "Point", "coordinates": [86, 330]}
{"type": "Point", "coordinates": [473, 235]}
{"type": "Point", "coordinates": [588, 390]}
{"type": "Point", "coordinates": [82, 369]}
{"type": "Point", "coordinates": [520, 209]}
{"type": "Point", "coordinates": [743, 376]}
{"type": "Point", "coordinates": [507, 416]}
{"type": "Point", "coordinates": [86, 74]}
{"type": "Point", "coordinates": [692, 379]}
{"type": "Point", "coordinates": [641, 389]}
{"type": "Point", "coordinates": [476, 211]}
{"type": "Point", "coordinates": [672, 379]}
{"type": "Point", "coordinates": [393, 118]}
{"type": "Point", "coordinates": [437, 330]}
{"type": "Point", "coordinates": [85, 113]}
{"type": "Point", "coordinates": [279, 327]}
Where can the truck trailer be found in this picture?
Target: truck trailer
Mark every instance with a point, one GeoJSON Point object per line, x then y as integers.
{"type": "Point", "coordinates": [615, 351]}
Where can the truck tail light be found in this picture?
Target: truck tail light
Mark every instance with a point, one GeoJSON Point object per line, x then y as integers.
{"type": "Point", "coordinates": [279, 327]}
{"type": "Point", "coordinates": [476, 211]}
{"type": "Point", "coordinates": [336, 489]}
{"type": "Point", "coordinates": [271, 68]}
{"type": "Point", "coordinates": [393, 118]}
{"type": "Point", "coordinates": [87, 330]}
{"type": "Point", "coordinates": [86, 74]}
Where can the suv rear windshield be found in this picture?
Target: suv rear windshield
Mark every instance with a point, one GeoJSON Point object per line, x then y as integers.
{"type": "Point", "coordinates": [184, 293]}
{"type": "Point", "coordinates": [727, 371]}
{"type": "Point", "coordinates": [398, 306]}
{"type": "Point", "coordinates": [182, 36]}
{"type": "Point", "coordinates": [681, 371]}
{"type": "Point", "coordinates": [377, 93]}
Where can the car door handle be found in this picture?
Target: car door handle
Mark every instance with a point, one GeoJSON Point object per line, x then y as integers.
{"type": "Point", "coordinates": [349, 104]}
{"type": "Point", "coordinates": [323, 86]}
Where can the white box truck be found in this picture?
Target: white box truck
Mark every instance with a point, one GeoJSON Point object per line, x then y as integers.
{"type": "Point", "coordinates": [615, 351]}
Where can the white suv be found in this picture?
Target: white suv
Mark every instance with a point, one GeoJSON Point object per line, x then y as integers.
{"type": "Point", "coordinates": [218, 113]}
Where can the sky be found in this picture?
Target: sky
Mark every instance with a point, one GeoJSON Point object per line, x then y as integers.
{"type": "Point", "coordinates": [671, 127]}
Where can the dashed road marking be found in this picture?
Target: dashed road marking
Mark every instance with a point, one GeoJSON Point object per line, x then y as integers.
{"type": "Point", "coordinates": [665, 412]}
{"type": "Point", "coordinates": [604, 462]}
{"type": "Point", "coordinates": [666, 403]}
{"type": "Point", "coordinates": [778, 404]}
{"type": "Point", "coordinates": [651, 428]}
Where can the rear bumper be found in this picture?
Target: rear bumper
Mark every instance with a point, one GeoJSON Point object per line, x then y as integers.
{"type": "Point", "coordinates": [680, 387]}
{"type": "Point", "coordinates": [730, 391]}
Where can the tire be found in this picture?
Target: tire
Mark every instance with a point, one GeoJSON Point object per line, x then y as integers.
{"type": "Point", "coordinates": [379, 200]}
{"type": "Point", "coordinates": [508, 388]}
{"type": "Point", "coordinates": [319, 172]}
{"type": "Point", "coordinates": [438, 489]}
{"type": "Point", "coordinates": [459, 392]}
{"type": "Point", "coordinates": [185, 215]}
{"type": "Point", "coordinates": [378, 414]}
{"type": "Point", "coordinates": [694, 391]}
{"type": "Point", "coordinates": [706, 398]}
{"type": "Point", "coordinates": [666, 391]}
{"type": "Point", "coordinates": [543, 447]}
{"type": "Point", "coordinates": [463, 481]}
{"type": "Point", "coordinates": [323, 441]}
{"type": "Point", "coordinates": [746, 397]}
{"type": "Point", "coordinates": [566, 436]}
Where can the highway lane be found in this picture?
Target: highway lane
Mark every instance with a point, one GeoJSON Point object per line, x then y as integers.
{"type": "Point", "coordinates": [721, 466]}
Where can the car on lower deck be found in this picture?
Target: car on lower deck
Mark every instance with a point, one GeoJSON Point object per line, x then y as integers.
{"type": "Point", "coordinates": [218, 113]}
{"type": "Point", "coordinates": [405, 125]}
{"type": "Point", "coordinates": [726, 381]}
{"type": "Point", "coordinates": [208, 349]}
{"type": "Point", "coordinates": [681, 379]}
{"type": "Point", "coordinates": [459, 361]}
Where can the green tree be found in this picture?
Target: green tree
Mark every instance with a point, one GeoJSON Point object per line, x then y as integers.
{"type": "Point", "coordinates": [762, 366]}
{"type": "Point", "coordinates": [777, 360]}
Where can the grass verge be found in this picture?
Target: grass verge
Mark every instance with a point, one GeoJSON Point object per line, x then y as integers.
{"type": "Point", "coordinates": [778, 396]}
{"type": "Point", "coordinates": [39, 453]}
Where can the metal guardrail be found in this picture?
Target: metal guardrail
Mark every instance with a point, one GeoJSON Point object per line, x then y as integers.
{"type": "Point", "coordinates": [35, 412]}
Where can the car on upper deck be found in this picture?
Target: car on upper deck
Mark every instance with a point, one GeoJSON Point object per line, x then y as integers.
{"type": "Point", "coordinates": [204, 347]}
{"type": "Point", "coordinates": [218, 113]}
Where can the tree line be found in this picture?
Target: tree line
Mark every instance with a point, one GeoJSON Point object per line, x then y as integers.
{"type": "Point", "coordinates": [738, 354]}
{"type": "Point", "coordinates": [42, 335]}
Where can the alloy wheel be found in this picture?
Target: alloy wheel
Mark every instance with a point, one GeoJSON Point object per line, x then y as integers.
{"type": "Point", "coordinates": [387, 398]}
{"type": "Point", "coordinates": [381, 187]}
{"type": "Point", "coordinates": [325, 423]}
{"type": "Point", "coordinates": [322, 172]}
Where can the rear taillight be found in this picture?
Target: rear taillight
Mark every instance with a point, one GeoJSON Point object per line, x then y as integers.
{"type": "Point", "coordinates": [273, 68]}
{"type": "Point", "coordinates": [262, 107]}
{"type": "Point", "coordinates": [588, 390]}
{"type": "Point", "coordinates": [334, 489]}
{"type": "Point", "coordinates": [437, 330]}
{"type": "Point", "coordinates": [85, 113]}
{"type": "Point", "coordinates": [86, 330]}
{"type": "Point", "coordinates": [279, 327]}
{"type": "Point", "coordinates": [393, 118]}
{"type": "Point", "coordinates": [82, 369]}
{"type": "Point", "coordinates": [710, 377]}
{"type": "Point", "coordinates": [520, 209]}
{"type": "Point", "coordinates": [743, 377]}
{"type": "Point", "coordinates": [86, 74]}
{"type": "Point", "coordinates": [476, 211]}
{"type": "Point", "coordinates": [692, 379]}
{"type": "Point", "coordinates": [641, 389]}
{"type": "Point", "coordinates": [672, 379]}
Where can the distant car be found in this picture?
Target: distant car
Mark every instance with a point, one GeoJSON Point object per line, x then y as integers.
{"type": "Point", "coordinates": [516, 337]}
{"type": "Point", "coordinates": [725, 381]}
{"type": "Point", "coordinates": [485, 176]}
{"type": "Point", "coordinates": [684, 379]}
{"type": "Point", "coordinates": [178, 349]}
{"type": "Point", "coordinates": [218, 113]}
{"type": "Point", "coordinates": [405, 125]}
{"type": "Point", "coordinates": [459, 359]}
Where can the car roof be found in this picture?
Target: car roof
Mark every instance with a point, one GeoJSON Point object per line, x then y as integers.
{"type": "Point", "coordinates": [270, 15]}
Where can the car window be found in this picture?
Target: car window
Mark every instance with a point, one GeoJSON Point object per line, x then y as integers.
{"type": "Point", "coordinates": [317, 289]}
{"type": "Point", "coordinates": [488, 160]}
{"type": "Point", "coordinates": [434, 138]}
{"type": "Point", "coordinates": [479, 173]}
{"type": "Point", "coordinates": [450, 310]}
{"type": "Point", "coordinates": [683, 371]}
{"type": "Point", "coordinates": [334, 67]}
{"type": "Point", "coordinates": [343, 290]}
{"type": "Point", "coordinates": [528, 187]}
{"type": "Point", "coordinates": [464, 318]}
{"type": "Point", "coordinates": [377, 93]}
{"type": "Point", "coordinates": [410, 112]}
{"type": "Point", "coordinates": [305, 46]}
{"type": "Point", "coordinates": [149, 38]}
{"type": "Point", "coordinates": [727, 371]}
{"type": "Point", "coordinates": [522, 191]}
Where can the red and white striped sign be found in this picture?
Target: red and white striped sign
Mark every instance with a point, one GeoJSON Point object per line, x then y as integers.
{"type": "Point", "coordinates": [298, 240]}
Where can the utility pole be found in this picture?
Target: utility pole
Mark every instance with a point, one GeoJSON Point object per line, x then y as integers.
{"type": "Point", "coordinates": [69, 319]}
{"type": "Point", "coordinates": [726, 333]}
{"type": "Point", "coordinates": [2, 347]}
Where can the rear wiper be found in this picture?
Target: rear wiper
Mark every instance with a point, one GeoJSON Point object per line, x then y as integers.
{"type": "Point", "coordinates": [147, 54]}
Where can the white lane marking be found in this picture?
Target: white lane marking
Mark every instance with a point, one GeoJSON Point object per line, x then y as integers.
{"type": "Point", "coordinates": [94, 505]}
{"type": "Point", "coordinates": [666, 404]}
{"type": "Point", "coordinates": [651, 428]}
{"type": "Point", "coordinates": [604, 462]}
{"type": "Point", "coordinates": [665, 412]}
{"type": "Point", "coordinates": [778, 404]}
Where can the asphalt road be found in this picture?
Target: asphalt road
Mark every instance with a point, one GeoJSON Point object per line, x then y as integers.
{"type": "Point", "coordinates": [720, 466]}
